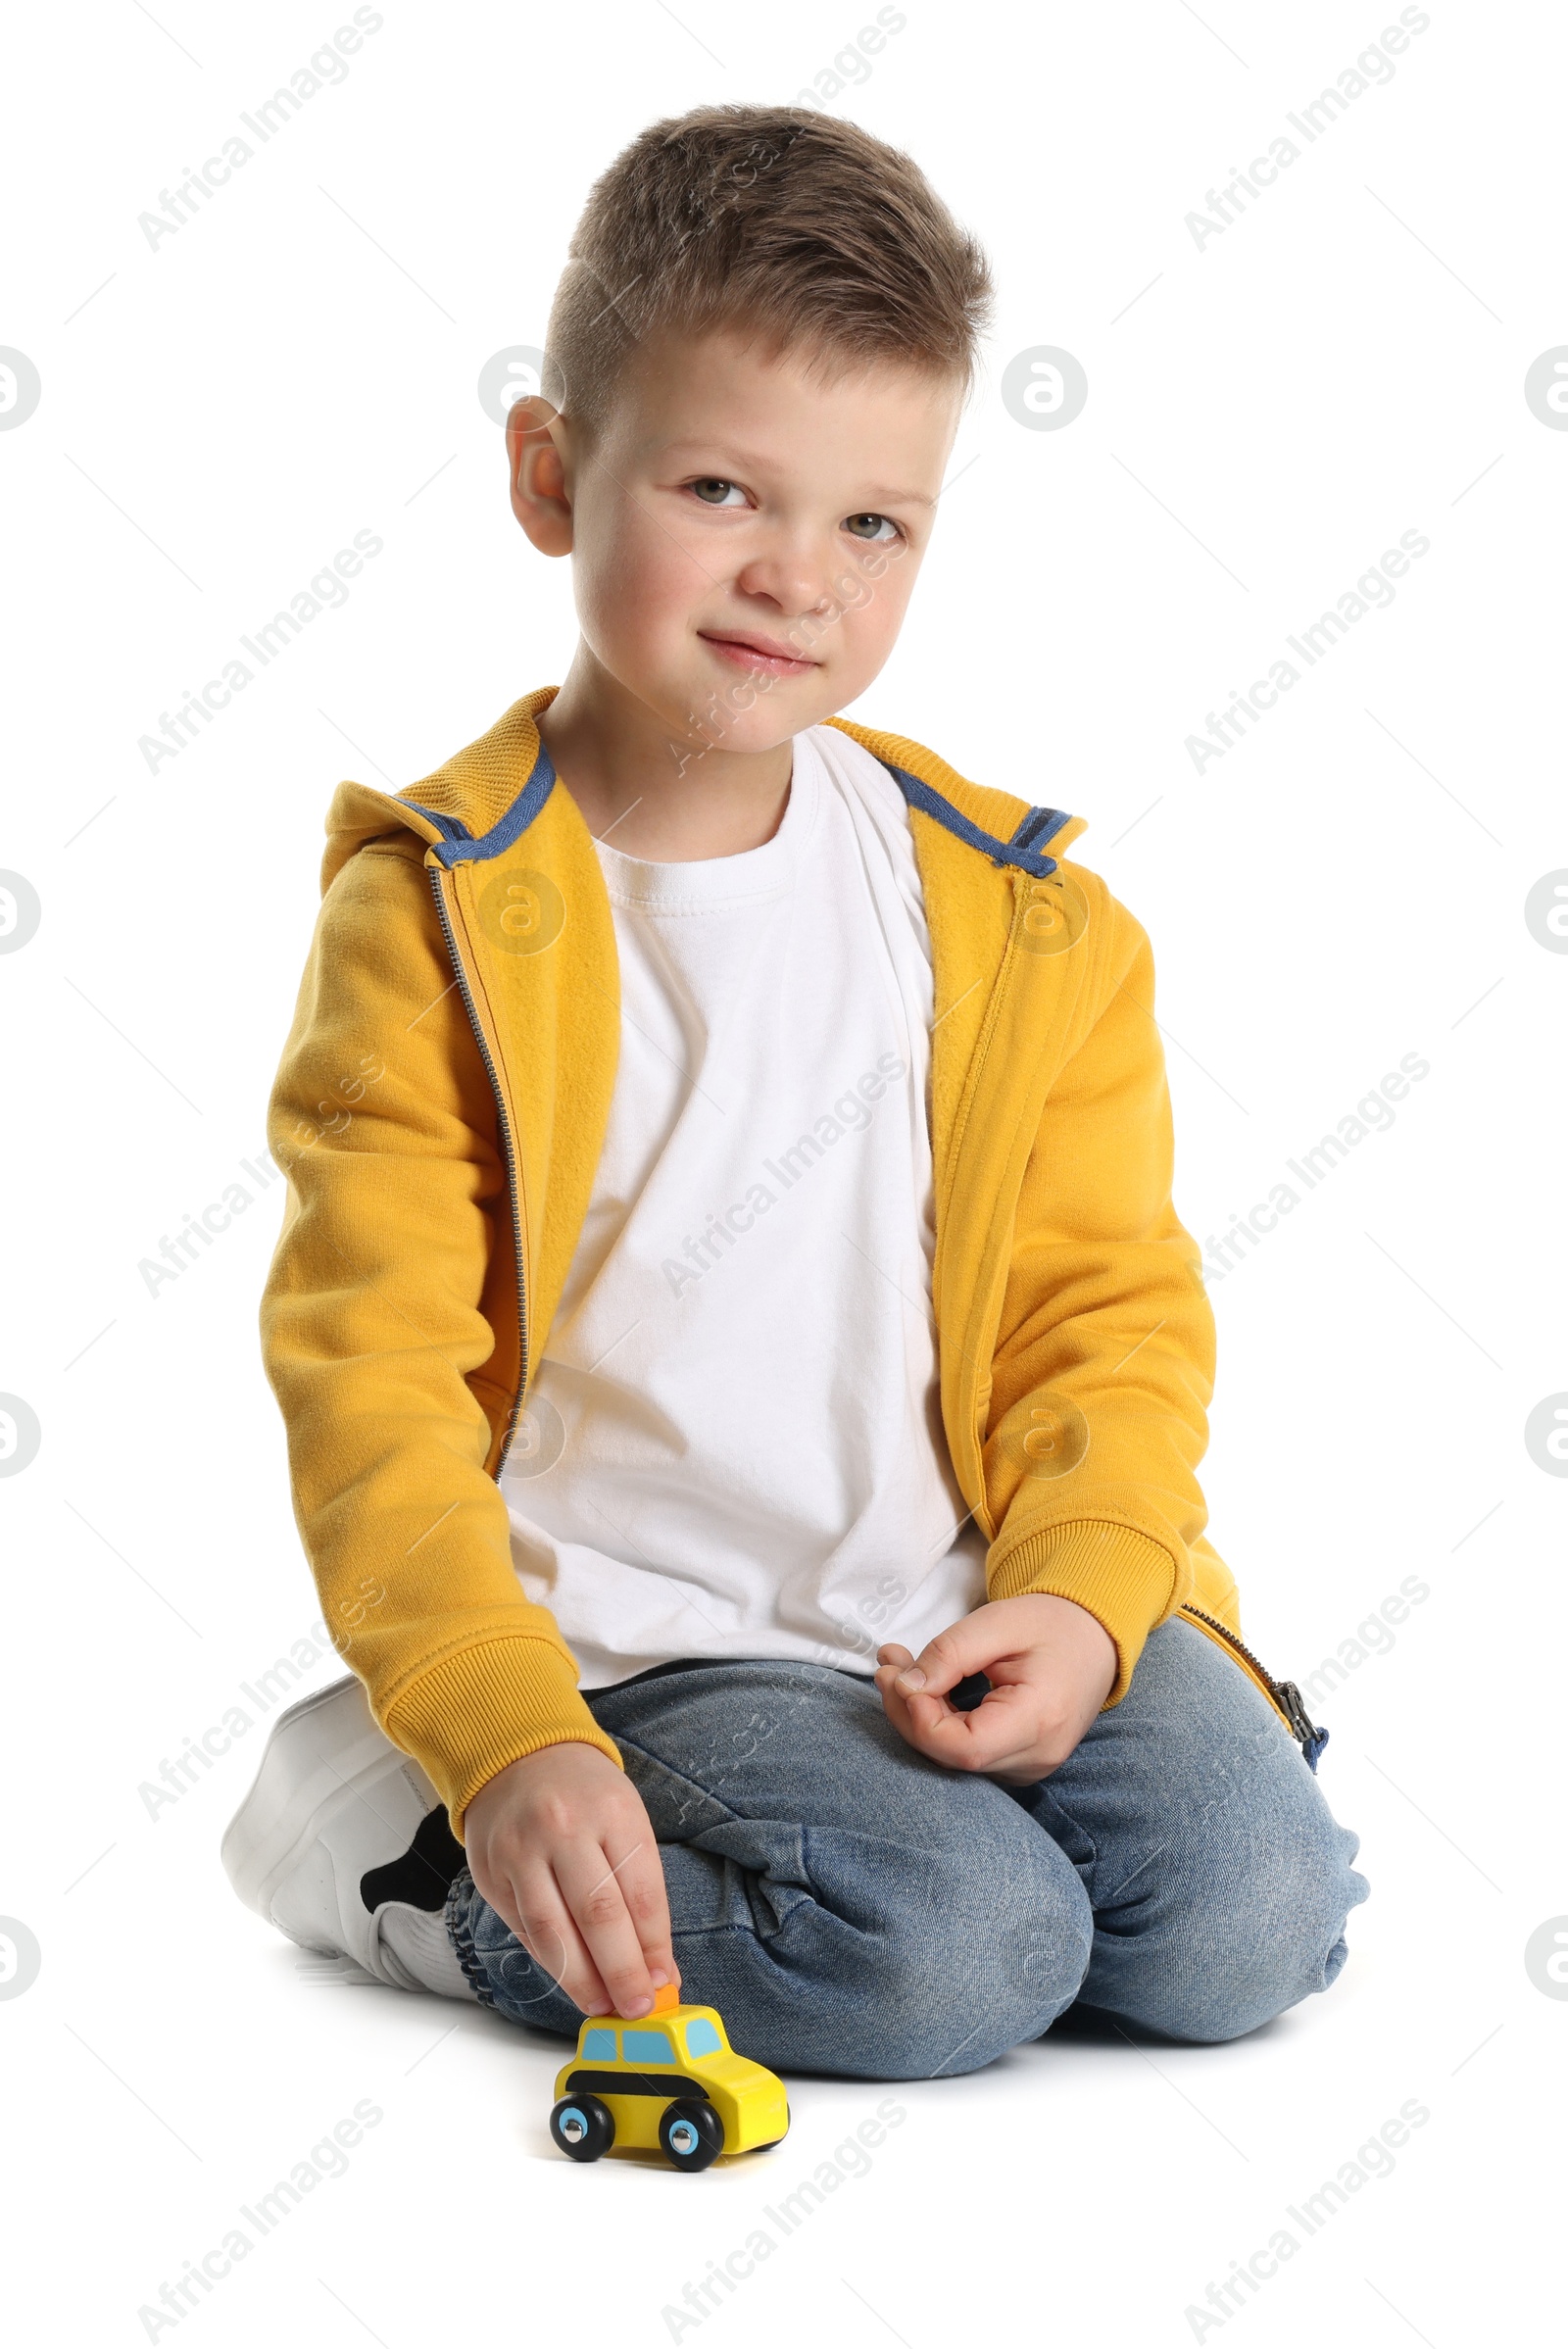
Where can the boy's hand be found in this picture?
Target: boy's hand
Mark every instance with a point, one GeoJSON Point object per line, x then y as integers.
{"type": "Point", "coordinates": [1051, 1666]}
{"type": "Point", "coordinates": [560, 1846]}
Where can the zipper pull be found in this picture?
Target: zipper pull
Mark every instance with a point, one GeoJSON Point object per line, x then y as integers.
{"type": "Point", "coordinates": [1311, 1740]}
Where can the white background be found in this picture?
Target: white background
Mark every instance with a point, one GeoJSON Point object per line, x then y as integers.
{"type": "Point", "coordinates": [1265, 416]}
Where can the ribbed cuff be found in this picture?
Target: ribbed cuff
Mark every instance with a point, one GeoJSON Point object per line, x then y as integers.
{"type": "Point", "coordinates": [1121, 1577]}
{"type": "Point", "coordinates": [474, 1712]}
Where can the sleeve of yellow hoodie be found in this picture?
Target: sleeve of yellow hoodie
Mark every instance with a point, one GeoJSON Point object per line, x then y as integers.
{"type": "Point", "coordinates": [1104, 1355]}
{"type": "Point", "coordinates": [372, 1326]}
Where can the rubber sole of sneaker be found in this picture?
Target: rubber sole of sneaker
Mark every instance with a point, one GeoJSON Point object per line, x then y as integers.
{"type": "Point", "coordinates": [324, 1753]}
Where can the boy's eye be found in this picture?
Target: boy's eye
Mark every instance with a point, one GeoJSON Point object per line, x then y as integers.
{"type": "Point", "coordinates": [870, 528]}
{"type": "Point", "coordinates": [714, 492]}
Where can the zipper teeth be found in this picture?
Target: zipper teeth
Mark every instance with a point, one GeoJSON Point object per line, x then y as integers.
{"type": "Point", "coordinates": [509, 1153]}
{"type": "Point", "coordinates": [982, 1052]}
{"type": "Point", "coordinates": [987, 1026]}
{"type": "Point", "coordinates": [1240, 1646]}
{"type": "Point", "coordinates": [1284, 1695]}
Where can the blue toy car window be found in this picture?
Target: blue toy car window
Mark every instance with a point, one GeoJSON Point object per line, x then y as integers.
{"type": "Point", "coordinates": [702, 2039]}
{"type": "Point", "coordinates": [647, 2047]}
{"type": "Point", "coordinates": [600, 2045]}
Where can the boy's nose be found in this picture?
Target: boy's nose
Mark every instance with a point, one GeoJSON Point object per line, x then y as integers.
{"type": "Point", "coordinates": [798, 587]}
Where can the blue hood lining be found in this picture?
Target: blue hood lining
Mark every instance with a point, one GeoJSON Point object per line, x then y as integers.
{"type": "Point", "coordinates": [460, 846]}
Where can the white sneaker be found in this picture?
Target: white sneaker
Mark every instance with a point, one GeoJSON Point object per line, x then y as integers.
{"type": "Point", "coordinates": [344, 1845]}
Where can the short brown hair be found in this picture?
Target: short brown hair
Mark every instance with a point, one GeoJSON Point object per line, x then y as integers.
{"type": "Point", "coordinates": [775, 221]}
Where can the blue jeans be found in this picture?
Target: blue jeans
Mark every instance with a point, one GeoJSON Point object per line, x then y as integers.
{"type": "Point", "coordinates": [852, 1908]}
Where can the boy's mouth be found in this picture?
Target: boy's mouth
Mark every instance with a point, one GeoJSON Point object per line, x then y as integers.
{"type": "Point", "coordinates": [762, 654]}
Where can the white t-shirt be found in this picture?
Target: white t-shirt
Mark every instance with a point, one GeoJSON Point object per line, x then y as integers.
{"type": "Point", "coordinates": [734, 1444]}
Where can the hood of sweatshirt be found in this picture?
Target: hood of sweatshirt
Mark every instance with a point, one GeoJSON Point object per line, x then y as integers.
{"type": "Point", "coordinates": [478, 802]}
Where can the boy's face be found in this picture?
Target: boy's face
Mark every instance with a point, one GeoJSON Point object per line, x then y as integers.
{"type": "Point", "coordinates": [745, 537]}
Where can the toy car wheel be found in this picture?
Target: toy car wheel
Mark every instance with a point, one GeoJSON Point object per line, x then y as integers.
{"type": "Point", "coordinates": [690, 2134]}
{"type": "Point", "coordinates": [582, 2127]}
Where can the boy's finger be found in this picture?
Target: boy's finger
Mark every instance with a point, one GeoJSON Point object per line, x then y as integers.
{"type": "Point", "coordinates": [983, 1740]}
{"type": "Point", "coordinates": [914, 1717]}
{"type": "Point", "coordinates": [590, 1883]}
{"type": "Point", "coordinates": [640, 1876]}
{"type": "Point", "coordinates": [543, 1923]}
{"type": "Point", "coordinates": [964, 1648]}
{"type": "Point", "coordinates": [994, 1732]}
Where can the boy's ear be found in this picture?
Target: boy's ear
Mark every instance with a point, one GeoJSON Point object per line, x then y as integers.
{"type": "Point", "coordinates": [535, 432]}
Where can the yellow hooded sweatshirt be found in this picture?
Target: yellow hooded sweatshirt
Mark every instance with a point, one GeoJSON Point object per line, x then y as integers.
{"type": "Point", "coordinates": [439, 1113]}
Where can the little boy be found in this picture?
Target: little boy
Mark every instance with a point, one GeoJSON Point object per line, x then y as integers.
{"type": "Point", "coordinates": [744, 1373]}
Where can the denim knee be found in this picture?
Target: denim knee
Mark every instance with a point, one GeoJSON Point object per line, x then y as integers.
{"type": "Point", "coordinates": [991, 1954]}
{"type": "Point", "coordinates": [1252, 1923]}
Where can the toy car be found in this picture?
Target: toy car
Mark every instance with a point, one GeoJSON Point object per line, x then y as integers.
{"type": "Point", "coordinates": [668, 2082]}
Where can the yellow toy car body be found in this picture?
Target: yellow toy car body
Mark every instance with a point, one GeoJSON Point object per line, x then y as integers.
{"type": "Point", "coordinates": [667, 2082]}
